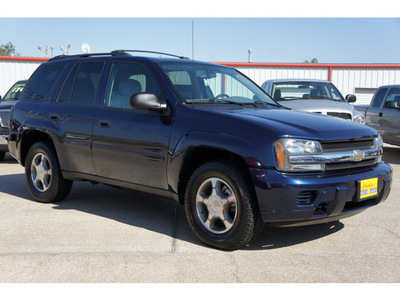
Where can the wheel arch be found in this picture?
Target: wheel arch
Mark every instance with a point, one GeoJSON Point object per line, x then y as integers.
{"type": "Point", "coordinates": [197, 156]}
{"type": "Point", "coordinates": [31, 137]}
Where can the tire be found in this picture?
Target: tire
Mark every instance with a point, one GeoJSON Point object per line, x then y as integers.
{"type": "Point", "coordinates": [2, 155]}
{"type": "Point", "coordinates": [221, 207]}
{"type": "Point", "coordinates": [43, 175]}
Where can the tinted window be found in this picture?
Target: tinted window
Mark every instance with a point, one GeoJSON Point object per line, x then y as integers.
{"type": "Point", "coordinates": [66, 91]}
{"type": "Point", "coordinates": [394, 95]}
{"type": "Point", "coordinates": [86, 83]}
{"type": "Point", "coordinates": [41, 82]}
{"type": "Point", "coordinates": [379, 97]}
{"type": "Point", "coordinates": [127, 79]}
{"type": "Point", "coordinates": [81, 84]}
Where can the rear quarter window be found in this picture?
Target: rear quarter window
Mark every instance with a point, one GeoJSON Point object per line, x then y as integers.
{"type": "Point", "coordinates": [39, 85]}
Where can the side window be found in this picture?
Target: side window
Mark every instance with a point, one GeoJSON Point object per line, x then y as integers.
{"type": "Point", "coordinates": [66, 91]}
{"type": "Point", "coordinates": [127, 79]}
{"type": "Point", "coordinates": [81, 85]}
{"type": "Point", "coordinates": [393, 96]}
{"type": "Point", "coordinates": [379, 97]}
{"type": "Point", "coordinates": [183, 83]}
{"type": "Point", "coordinates": [41, 82]}
{"type": "Point", "coordinates": [333, 92]}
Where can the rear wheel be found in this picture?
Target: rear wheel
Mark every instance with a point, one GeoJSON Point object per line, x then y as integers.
{"type": "Point", "coordinates": [220, 206]}
{"type": "Point", "coordinates": [43, 175]}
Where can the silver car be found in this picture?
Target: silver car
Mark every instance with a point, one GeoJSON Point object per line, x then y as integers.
{"type": "Point", "coordinates": [317, 96]}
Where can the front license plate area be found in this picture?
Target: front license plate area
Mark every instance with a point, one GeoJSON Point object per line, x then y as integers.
{"type": "Point", "coordinates": [368, 188]}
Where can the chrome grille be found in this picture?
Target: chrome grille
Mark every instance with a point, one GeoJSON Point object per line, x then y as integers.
{"type": "Point", "coordinates": [340, 115]}
{"type": "Point", "coordinates": [333, 146]}
{"type": "Point", "coordinates": [340, 146]}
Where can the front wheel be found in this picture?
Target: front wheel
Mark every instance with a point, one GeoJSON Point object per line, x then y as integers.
{"type": "Point", "coordinates": [43, 175]}
{"type": "Point", "coordinates": [220, 206]}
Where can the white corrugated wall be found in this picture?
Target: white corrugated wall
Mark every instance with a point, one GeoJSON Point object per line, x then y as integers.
{"type": "Point", "coordinates": [12, 71]}
{"type": "Point", "coordinates": [363, 82]}
{"type": "Point", "coordinates": [261, 74]}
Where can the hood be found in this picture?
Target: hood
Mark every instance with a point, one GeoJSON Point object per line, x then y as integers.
{"type": "Point", "coordinates": [319, 105]}
{"type": "Point", "coordinates": [303, 124]}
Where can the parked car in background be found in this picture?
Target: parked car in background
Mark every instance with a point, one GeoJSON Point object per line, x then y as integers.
{"type": "Point", "coordinates": [383, 113]}
{"type": "Point", "coordinates": [317, 96]}
{"type": "Point", "coordinates": [5, 106]}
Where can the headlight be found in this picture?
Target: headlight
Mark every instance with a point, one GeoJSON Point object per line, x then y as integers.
{"type": "Point", "coordinates": [287, 148]}
{"type": "Point", "coordinates": [378, 142]}
{"type": "Point", "coordinates": [358, 117]}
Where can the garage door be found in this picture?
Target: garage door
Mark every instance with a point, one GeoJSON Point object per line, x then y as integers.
{"type": "Point", "coordinates": [364, 95]}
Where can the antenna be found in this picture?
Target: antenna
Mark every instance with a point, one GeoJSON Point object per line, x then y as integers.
{"type": "Point", "coordinates": [44, 50]}
{"type": "Point", "coordinates": [66, 50]}
{"type": "Point", "coordinates": [192, 40]}
{"type": "Point", "coordinates": [85, 48]}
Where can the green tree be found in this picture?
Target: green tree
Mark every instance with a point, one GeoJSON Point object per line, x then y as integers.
{"type": "Point", "coordinates": [313, 61]}
{"type": "Point", "coordinates": [8, 50]}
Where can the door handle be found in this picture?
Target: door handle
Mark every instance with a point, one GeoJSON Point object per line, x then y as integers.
{"type": "Point", "coordinates": [380, 114]}
{"type": "Point", "coordinates": [104, 123]}
{"type": "Point", "coordinates": [54, 117]}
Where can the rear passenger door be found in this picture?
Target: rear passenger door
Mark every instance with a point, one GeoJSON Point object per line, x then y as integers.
{"type": "Point", "coordinates": [73, 112]}
{"type": "Point", "coordinates": [131, 145]}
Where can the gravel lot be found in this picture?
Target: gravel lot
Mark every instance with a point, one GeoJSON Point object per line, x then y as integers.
{"type": "Point", "coordinates": [101, 234]}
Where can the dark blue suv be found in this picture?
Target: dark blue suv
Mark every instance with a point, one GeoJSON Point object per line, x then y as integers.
{"type": "Point", "coordinates": [202, 134]}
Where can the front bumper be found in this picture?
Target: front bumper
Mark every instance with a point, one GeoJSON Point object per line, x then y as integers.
{"type": "Point", "coordinates": [305, 199]}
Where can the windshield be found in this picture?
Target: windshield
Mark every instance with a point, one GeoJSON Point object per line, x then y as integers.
{"type": "Point", "coordinates": [210, 84]}
{"type": "Point", "coordinates": [305, 90]}
{"type": "Point", "coordinates": [13, 93]}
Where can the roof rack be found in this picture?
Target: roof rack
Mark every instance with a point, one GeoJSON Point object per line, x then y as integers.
{"type": "Point", "coordinates": [145, 51]}
{"type": "Point", "coordinates": [80, 55]}
{"type": "Point", "coordinates": [113, 53]}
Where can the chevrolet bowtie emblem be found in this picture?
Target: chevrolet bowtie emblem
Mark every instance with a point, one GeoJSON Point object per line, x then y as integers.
{"type": "Point", "coordinates": [358, 155]}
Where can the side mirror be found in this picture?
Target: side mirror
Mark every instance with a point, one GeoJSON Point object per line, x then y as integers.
{"type": "Point", "coordinates": [351, 98]}
{"type": "Point", "coordinates": [146, 101]}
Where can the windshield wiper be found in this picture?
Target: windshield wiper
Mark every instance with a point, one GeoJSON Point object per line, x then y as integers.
{"type": "Point", "coordinates": [218, 99]}
{"type": "Point", "coordinates": [320, 97]}
{"type": "Point", "coordinates": [288, 98]}
{"type": "Point", "coordinates": [266, 103]}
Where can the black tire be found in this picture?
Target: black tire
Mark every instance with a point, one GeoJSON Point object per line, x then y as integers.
{"type": "Point", "coordinates": [2, 155]}
{"type": "Point", "coordinates": [221, 207]}
{"type": "Point", "coordinates": [43, 175]}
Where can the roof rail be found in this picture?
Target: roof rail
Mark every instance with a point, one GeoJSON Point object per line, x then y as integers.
{"type": "Point", "coordinates": [82, 55]}
{"type": "Point", "coordinates": [145, 51]}
{"type": "Point", "coordinates": [113, 53]}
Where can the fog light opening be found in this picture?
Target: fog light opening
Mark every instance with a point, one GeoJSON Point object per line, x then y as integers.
{"type": "Point", "coordinates": [322, 209]}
